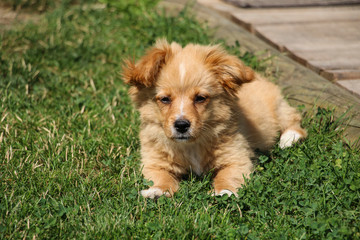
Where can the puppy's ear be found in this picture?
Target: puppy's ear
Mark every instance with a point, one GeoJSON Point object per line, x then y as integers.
{"type": "Point", "coordinates": [145, 71]}
{"type": "Point", "coordinates": [230, 71]}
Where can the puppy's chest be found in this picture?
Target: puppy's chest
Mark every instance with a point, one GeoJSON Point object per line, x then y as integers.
{"type": "Point", "coordinates": [196, 160]}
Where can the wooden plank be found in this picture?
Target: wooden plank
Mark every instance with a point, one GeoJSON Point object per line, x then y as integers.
{"type": "Point", "coordinates": [296, 15]}
{"type": "Point", "coordinates": [323, 46]}
{"type": "Point", "coordinates": [342, 74]}
{"type": "Point", "coordinates": [324, 39]}
{"type": "Point", "coordinates": [332, 59]}
{"type": "Point", "coordinates": [289, 3]}
{"type": "Point", "coordinates": [353, 85]}
{"type": "Point", "coordinates": [328, 73]}
{"type": "Point", "coordinates": [313, 35]}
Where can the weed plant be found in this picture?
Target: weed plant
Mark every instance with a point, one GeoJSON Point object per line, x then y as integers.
{"type": "Point", "coordinates": [69, 150]}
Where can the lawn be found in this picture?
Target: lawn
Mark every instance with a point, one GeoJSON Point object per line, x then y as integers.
{"type": "Point", "coordinates": [69, 151]}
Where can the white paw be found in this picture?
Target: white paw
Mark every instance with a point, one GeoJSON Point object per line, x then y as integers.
{"type": "Point", "coordinates": [154, 193]}
{"type": "Point", "coordinates": [288, 138]}
{"type": "Point", "coordinates": [225, 191]}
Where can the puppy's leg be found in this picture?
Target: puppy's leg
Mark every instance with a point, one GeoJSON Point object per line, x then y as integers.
{"type": "Point", "coordinates": [289, 120]}
{"type": "Point", "coordinates": [164, 183]}
{"type": "Point", "coordinates": [231, 177]}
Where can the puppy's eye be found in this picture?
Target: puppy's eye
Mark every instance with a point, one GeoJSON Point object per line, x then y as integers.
{"type": "Point", "coordinates": [199, 99]}
{"type": "Point", "coordinates": [165, 100]}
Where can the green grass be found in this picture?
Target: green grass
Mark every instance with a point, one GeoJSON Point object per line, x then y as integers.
{"type": "Point", "coordinates": [42, 5]}
{"type": "Point", "coordinates": [69, 151]}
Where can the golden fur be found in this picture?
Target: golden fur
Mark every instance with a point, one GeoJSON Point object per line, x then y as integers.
{"type": "Point", "coordinates": [203, 109]}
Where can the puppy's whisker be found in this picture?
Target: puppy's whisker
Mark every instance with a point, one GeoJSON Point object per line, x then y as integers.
{"type": "Point", "coordinates": [206, 131]}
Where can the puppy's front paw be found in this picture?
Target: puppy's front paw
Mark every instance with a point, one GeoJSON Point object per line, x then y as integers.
{"type": "Point", "coordinates": [154, 192]}
{"type": "Point", "coordinates": [288, 138]}
{"type": "Point", "coordinates": [225, 191]}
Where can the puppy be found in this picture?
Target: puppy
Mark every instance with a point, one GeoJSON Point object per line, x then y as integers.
{"type": "Point", "coordinates": [202, 109]}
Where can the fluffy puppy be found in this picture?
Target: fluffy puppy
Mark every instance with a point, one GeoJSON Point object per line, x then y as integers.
{"type": "Point", "coordinates": [202, 109]}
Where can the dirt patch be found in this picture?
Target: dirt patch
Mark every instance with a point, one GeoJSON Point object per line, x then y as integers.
{"type": "Point", "coordinates": [9, 17]}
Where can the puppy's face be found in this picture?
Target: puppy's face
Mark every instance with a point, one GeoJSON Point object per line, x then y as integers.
{"type": "Point", "coordinates": [184, 92]}
{"type": "Point", "coordinates": [183, 89]}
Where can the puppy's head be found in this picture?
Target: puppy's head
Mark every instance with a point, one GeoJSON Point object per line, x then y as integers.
{"type": "Point", "coordinates": [186, 91]}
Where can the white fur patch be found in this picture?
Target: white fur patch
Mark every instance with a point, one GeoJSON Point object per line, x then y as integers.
{"type": "Point", "coordinates": [182, 72]}
{"type": "Point", "coordinates": [181, 108]}
{"type": "Point", "coordinates": [224, 191]}
{"type": "Point", "coordinates": [288, 138]}
{"type": "Point", "coordinates": [153, 193]}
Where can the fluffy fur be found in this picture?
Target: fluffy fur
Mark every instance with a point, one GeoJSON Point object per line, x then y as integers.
{"type": "Point", "coordinates": [202, 109]}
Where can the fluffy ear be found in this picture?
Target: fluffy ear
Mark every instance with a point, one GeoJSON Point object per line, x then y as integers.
{"type": "Point", "coordinates": [146, 70]}
{"type": "Point", "coordinates": [230, 71]}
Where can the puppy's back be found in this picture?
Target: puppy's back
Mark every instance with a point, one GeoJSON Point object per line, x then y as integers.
{"type": "Point", "coordinates": [262, 104]}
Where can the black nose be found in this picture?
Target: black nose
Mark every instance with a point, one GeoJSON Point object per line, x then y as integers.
{"type": "Point", "coordinates": [182, 125]}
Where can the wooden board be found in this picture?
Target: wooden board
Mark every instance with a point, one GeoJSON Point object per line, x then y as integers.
{"type": "Point", "coordinates": [324, 39]}
{"type": "Point", "coordinates": [289, 3]}
{"type": "Point", "coordinates": [350, 84]}
{"type": "Point", "coordinates": [296, 15]}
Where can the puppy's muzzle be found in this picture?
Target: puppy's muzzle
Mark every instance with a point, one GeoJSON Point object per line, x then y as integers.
{"type": "Point", "coordinates": [182, 125]}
